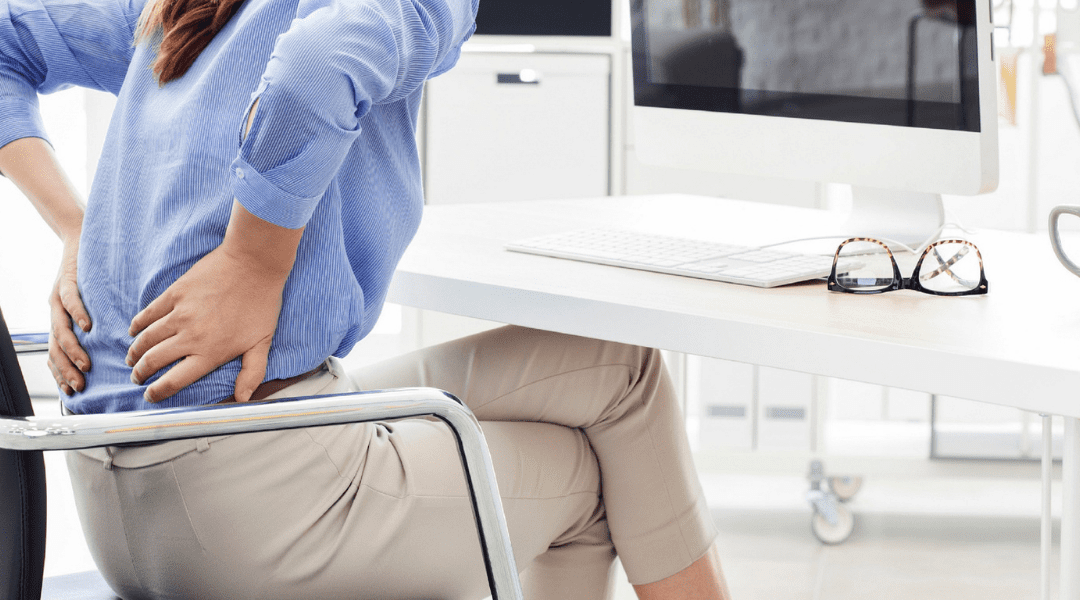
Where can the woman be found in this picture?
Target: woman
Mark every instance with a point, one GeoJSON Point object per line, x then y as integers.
{"type": "Point", "coordinates": [259, 183]}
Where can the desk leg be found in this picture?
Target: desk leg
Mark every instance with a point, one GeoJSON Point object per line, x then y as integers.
{"type": "Point", "coordinates": [1046, 537]}
{"type": "Point", "coordinates": [1070, 512]}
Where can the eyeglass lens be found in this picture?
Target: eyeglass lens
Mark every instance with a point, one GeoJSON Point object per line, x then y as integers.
{"type": "Point", "coordinates": [950, 267]}
{"type": "Point", "coordinates": [864, 266]}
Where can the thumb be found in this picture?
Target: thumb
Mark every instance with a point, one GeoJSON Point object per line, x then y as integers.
{"type": "Point", "coordinates": [252, 370]}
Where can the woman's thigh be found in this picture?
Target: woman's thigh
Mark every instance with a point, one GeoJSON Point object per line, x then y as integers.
{"type": "Point", "coordinates": [519, 374]}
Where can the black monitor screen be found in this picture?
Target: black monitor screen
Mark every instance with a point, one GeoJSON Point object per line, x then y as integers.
{"type": "Point", "coordinates": [544, 17]}
{"type": "Point", "coordinates": [890, 62]}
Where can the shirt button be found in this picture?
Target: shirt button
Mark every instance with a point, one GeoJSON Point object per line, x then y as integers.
{"type": "Point", "coordinates": [239, 173]}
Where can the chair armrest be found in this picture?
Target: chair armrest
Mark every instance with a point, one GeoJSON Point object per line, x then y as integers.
{"type": "Point", "coordinates": [110, 429]}
{"type": "Point", "coordinates": [26, 343]}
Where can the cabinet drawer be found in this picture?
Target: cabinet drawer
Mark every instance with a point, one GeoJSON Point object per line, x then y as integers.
{"type": "Point", "coordinates": [518, 127]}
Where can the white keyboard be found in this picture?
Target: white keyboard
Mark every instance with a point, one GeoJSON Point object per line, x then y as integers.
{"type": "Point", "coordinates": [761, 267]}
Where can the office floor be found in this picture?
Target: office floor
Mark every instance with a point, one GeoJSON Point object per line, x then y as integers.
{"type": "Point", "coordinates": [904, 546]}
{"type": "Point", "coordinates": [770, 555]}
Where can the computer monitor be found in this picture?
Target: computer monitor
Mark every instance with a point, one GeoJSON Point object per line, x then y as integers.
{"type": "Point", "coordinates": [896, 97]}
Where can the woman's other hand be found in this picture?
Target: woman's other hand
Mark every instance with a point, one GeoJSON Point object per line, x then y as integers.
{"type": "Point", "coordinates": [32, 165]}
{"type": "Point", "coordinates": [226, 306]}
{"type": "Point", "coordinates": [67, 358]}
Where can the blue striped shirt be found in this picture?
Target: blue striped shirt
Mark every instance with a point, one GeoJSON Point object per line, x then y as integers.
{"type": "Point", "coordinates": [332, 147]}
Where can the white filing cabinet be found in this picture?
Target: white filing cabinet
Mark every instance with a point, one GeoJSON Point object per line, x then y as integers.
{"type": "Point", "coordinates": [518, 126]}
{"type": "Point", "coordinates": [508, 125]}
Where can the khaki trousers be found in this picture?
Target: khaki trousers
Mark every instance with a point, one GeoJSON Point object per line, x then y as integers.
{"type": "Point", "coordinates": [589, 449]}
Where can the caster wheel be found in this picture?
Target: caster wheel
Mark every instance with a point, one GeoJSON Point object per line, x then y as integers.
{"type": "Point", "coordinates": [845, 488]}
{"type": "Point", "coordinates": [834, 534]}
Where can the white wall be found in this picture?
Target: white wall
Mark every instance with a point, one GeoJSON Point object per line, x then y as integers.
{"type": "Point", "coordinates": [29, 251]}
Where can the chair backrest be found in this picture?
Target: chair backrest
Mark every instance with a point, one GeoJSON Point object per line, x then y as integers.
{"type": "Point", "coordinates": [22, 490]}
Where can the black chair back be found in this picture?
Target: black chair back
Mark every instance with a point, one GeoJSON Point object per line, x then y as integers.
{"type": "Point", "coordinates": [22, 490]}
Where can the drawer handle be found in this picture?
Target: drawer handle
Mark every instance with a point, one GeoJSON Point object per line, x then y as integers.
{"type": "Point", "coordinates": [525, 76]}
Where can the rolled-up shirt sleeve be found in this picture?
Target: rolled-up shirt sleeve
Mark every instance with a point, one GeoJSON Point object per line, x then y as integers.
{"type": "Point", "coordinates": [337, 60]}
{"type": "Point", "coordinates": [47, 46]}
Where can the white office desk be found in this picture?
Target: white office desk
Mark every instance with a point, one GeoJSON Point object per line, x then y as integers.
{"type": "Point", "coordinates": [1017, 346]}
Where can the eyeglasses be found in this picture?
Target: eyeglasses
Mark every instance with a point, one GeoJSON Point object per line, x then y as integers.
{"type": "Point", "coordinates": [946, 268]}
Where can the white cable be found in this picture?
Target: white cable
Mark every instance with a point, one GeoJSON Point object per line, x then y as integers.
{"type": "Point", "coordinates": [844, 237]}
{"type": "Point", "coordinates": [918, 250]}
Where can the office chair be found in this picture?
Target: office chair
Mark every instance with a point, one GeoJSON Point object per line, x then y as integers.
{"type": "Point", "coordinates": [23, 437]}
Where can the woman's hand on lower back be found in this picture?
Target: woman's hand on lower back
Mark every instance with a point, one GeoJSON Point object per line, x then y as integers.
{"type": "Point", "coordinates": [226, 306]}
{"type": "Point", "coordinates": [67, 358]}
{"type": "Point", "coordinates": [222, 308]}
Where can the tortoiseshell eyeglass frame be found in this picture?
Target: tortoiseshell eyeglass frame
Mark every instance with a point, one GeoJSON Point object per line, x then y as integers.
{"type": "Point", "coordinates": [910, 283]}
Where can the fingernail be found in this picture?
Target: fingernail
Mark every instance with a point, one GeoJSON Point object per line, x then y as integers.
{"type": "Point", "coordinates": [134, 379]}
{"type": "Point", "coordinates": [81, 365]}
{"type": "Point", "coordinates": [83, 324]}
{"type": "Point", "coordinates": [129, 362]}
{"type": "Point", "coordinates": [146, 396]}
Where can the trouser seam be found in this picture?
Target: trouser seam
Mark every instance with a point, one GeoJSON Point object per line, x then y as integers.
{"type": "Point", "coordinates": [326, 453]}
{"type": "Point", "coordinates": [127, 536]}
{"type": "Point", "coordinates": [187, 511]}
{"type": "Point", "coordinates": [671, 503]}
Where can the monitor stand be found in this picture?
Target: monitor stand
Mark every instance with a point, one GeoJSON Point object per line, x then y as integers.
{"type": "Point", "coordinates": [907, 217]}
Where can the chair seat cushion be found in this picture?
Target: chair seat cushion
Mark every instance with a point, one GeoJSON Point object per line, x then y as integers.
{"type": "Point", "coordinates": [77, 586]}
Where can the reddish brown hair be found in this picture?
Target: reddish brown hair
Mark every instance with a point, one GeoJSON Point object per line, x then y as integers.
{"type": "Point", "coordinates": [187, 27]}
